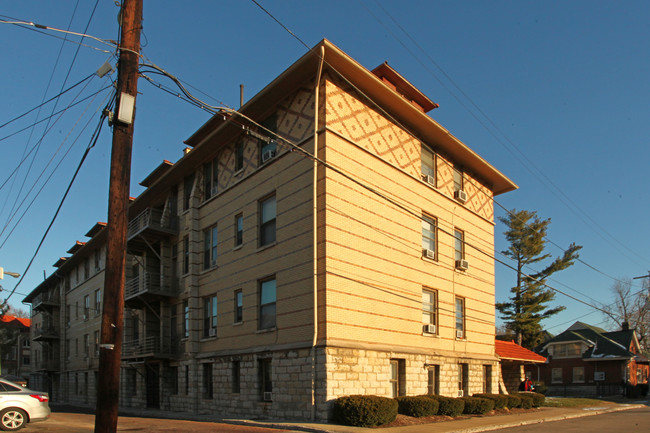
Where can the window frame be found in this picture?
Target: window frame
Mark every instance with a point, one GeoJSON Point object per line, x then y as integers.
{"type": "Point", "coordinates": [458, 178]}
{"type": "Point", "coordinates": [580, 376]}
{"type": "Point", "coordinates": [459, 244]}
{"type": "Point", "coordinates": [554, 375]}
{"type": "Point", "coordinates": [426, 168]}
{"type": "Point", "coordinates": [239, 155]}
{"type": "Point", "coordinates": [265, 376]}
{"type": "Point", "coordinates": [268, 324]}
{"type": "Point", "coordinates": [186, 255]}
{"type": "Point", "coordinates": [239, 306]}
{"type": "Point", "coordinates": [433, 380]}
{"type": "Point", "coordinates": [210, 315]}
{"type": "Point", "coordinates": [211, 178]}
{"type": "Point", "coordinates": [210, 247]}
{"type": "Point", "coordinates": [430, 234]}
{"type": "Point", "coordinates": [239, 230]}
{"type": "Point", "coordinates": [459, 316]}
{"type": "Point", "coordinates": [188, 186]}
{"type": "Point", "coordinates": [207, 381]}
{"type": "Point", "coordinates": [432, 312]}
{"type": "Point", "coordinates": [235, 381]}
{"type": "Point", "coordinates": [186, 319]}
{"type": "Point", "coordinates": [267, 224]}
{"type": "Point", "coordinates": [98, 301]}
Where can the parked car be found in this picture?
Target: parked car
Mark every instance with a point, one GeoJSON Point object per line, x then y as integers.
{"type": "Point", "coordinates": [20, 405]}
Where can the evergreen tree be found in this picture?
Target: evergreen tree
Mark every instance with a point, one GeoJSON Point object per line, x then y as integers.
{"type": "Point", "coordinates": [527, 306]}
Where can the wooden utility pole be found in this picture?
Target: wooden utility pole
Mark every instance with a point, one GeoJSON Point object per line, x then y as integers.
{"type": "Point", "coordinates": [110, 353]}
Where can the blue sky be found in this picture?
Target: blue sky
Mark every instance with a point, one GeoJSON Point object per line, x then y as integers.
{"type": "Point", "coordinates": [554, 94]}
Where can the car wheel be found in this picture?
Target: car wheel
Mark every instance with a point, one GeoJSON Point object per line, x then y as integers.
{"type": "Point", "coordinates": [12, 419]}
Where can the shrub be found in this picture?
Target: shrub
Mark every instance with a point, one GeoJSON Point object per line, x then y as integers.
{"type": "Point", "coordinates": [540, 388]}
{"type": "Point", "coordinates": [449, 406]}
{"type": "Point", "coordinates": [513, 401]}
{"type": "Point", "coordinates": [364, 410]}
{"type": "Point", "coordinates": [477, 405]}
{"type": "Point", "coordinates": [537, 398]}
{"type": "Point", "coordinates": [643, 387]}
{"type": "Point", "coordinates": [526, 401]}
{"type": "Point", "coordinates": [417, 406]}
{"type": "Point", "coordinates": [500, 400]}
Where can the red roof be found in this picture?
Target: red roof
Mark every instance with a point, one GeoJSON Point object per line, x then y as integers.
{"type": "Point", "coordinates": [513, 351]}
{"type": "Point", "coordinates": [21, 320]}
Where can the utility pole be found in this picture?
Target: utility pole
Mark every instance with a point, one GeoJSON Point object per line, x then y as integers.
{"type": "Point", "coordinates": [110, 353]}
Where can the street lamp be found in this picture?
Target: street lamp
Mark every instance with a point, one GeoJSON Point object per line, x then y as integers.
{"type": "Point", "coordinates": [11, 274]}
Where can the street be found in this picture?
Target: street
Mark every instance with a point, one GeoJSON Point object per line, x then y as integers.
{"type": "Point", "coordinates": [634, 420]}
{"type": "Point", "coordinates": [82, 423]}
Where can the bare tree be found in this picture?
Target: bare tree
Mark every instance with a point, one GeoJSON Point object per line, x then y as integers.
{"type": "Point", "coordinates": [631, 308]}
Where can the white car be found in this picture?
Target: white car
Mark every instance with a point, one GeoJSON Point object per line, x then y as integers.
{"type": "Point", "coordinates": [20, 405]}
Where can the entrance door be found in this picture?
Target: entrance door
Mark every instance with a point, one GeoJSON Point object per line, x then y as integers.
{"type": "Point", "coordinates": [153, 386]}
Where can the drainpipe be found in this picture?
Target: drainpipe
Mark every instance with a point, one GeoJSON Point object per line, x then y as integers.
{"type": "Point", "coordinates": [315, 236]}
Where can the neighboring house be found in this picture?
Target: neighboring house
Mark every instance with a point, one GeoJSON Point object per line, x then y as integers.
{"type": "Point", "coordinates": [15, 357]}
{"type": "Point", "coordinates": [261, 282]}
{"type": "Point", "coordinates": [586, 360]}
{"type": "Point", "coordinates": [513, 358]}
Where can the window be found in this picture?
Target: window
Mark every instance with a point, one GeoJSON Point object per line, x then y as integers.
{"type": "Point", "coordinates": [267, 221]}
{"type": "Point", "coordinates": [186, 255]}
{"type": "Point", "coordinates": [556, 375]}
{"type": "Point", "coordinates": [239, 230]}
{"type": "Point", "coordinates": [460, 318]}
{"type": "Point", "coordinates": [210, 316]}
{"type": "Point", "coordinates": [208, 388]}
{"type": "Point", "coordinates": [96, 345]}
{"type": "Point", "coordinates": [236, 377]}
{"type": "Point", "coordinates": [87, 268]}
{"type": "Point", "coordinates": [67, 349]}
{"type": "Point", "coordinates": [267, 304]}
{"type": "Point", "coordinates": [239, 306]}
{"type": "Point", "coordinates": [567, 350]}
{"type": "Point", "coordinates": [98, 257]}
{"type": "Point", "coordinates": [135, 327]}
{"type": "Point", "coordinates": [187, 379]}
{"type": "Point", "coordinates": [428, 163]}
{"type": "Point", "coordinates": [86, 345]}
{"type": "Point", "coordinates": [76, 309]}
{"type": "Point", "coordinates": [76, 347]}
{"type": "Point", "coordinates": [429, 311]}
{"type": "Point", "coordinates": [397, 377]}
{"type": "Point", "coordinates": [578, 374]}
{"type": "Point", "coordinates": [239, 156]}
{"type": "Point", "coordinates": [188, 184]}
{"type": "Point", "coordinates": [211, 178]}
{"type": "Point", "coordinates": [266, 383]}
{"type": "Point", "coordinates": [210, 247]}
{"type": "Point", "coordinates": [458, 179]}
{"type": "Point", "coordinates": [459, 244]}
{"type": "Point", "coordinates": [433, 380]}
{"type": "Point", "coordinates": [463, 380]}
{"type": "Point", "coordinates": [186, 319]}
{"type": "Point", "coordinates": [86, 306]}
{"type": "Point", "coordinates": [268, 148]}
{"type": "Point", "coordinates": [67, 314]}
{"type": "Point", "coordinates": [98, 301]}
{"type": "Point", "coordinates": [429, 236]}
{"type": "Point", "coordinates": [487, 379]}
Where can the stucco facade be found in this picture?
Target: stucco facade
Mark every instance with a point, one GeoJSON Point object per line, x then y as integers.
{"type": "Point", "coordinates": [340, 244]}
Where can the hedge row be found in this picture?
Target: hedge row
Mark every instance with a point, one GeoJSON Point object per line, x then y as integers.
{"type": "Point", "coordinates": [369, 411]}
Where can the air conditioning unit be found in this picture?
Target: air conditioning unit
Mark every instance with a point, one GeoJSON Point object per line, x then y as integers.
{"type": "Point", "coordinates": [429, 328]}
{"type": "Point", "coordinates": [599, 375]}
{"type": "Point", "coordinates": [460, 195]}
{"type": "Point", "coordinates": [461, 393]}
{"type": "Point", "coordinates": [429, 254]}
{"type": "Point", "coordinates": [463, 265]}
{"type": "Point", "coordinates": [429, 179]}
{"type": "Point", "coordinates": [268, 155]}
{"type": "Point", "coordinates": [212, 332]}
{"type": "Point", "coordinates": [459, 333]}
{"type": "Point", "coordinates": [268, 396]}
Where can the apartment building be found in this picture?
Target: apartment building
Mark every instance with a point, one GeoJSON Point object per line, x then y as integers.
{"type": "Point", "coordinates": [329, 239]}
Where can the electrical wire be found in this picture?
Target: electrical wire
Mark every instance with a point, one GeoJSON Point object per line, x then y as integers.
{"type": "Point", "coordinates": [92, 143]}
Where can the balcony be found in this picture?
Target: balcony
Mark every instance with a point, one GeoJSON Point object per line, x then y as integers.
{"type": "Point", "coordinates": [47, 365]}
{"type": "Point", "coordinates": [149, 286]}
{"type": "Point", "coordinates": [149, 347]}
{"type": "Point", "coordinates": [46, 333]}
{"type": "Point", "coordinates": [150, 225]}
{"type": "Point", "coordinates": [46, 301]}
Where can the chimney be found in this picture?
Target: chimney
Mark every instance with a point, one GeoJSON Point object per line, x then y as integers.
{"type": "Point", "coordinates": [625, 326]}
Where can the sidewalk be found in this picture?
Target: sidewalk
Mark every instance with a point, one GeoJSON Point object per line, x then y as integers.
{"type": "Point", "coordinates": [468, 425]}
